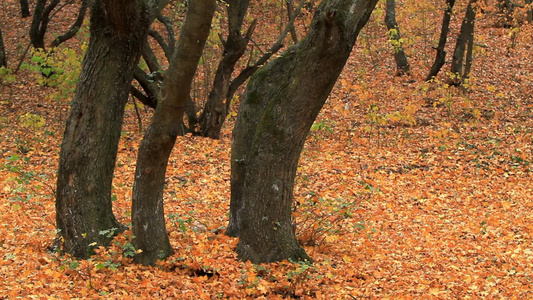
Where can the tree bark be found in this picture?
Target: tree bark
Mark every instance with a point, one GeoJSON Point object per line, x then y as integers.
{"type": "Point", "coordinates": [24, 8]}
{"type": "Point", "coordinates": [3, 59]}
{"type": "Point", "coordinates": [440, 58]}
{"type": "Point", "coordinates": [214, 112]}
{"type": "Point", "coordinates": [148, 217]}
{"type": "Point", "coordinates": [465, 43]}
{"type": "Point", "coordinates": [88, 152]}
{"type": "Point", "coordinates": [280, 104]}
{"type": "Point", "coordinates": [402, 65]}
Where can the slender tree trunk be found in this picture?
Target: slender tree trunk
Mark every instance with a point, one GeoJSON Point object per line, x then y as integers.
{"type": "Point", "coordinates": [280, 104]}
{"type": "Point", "coordinates": [290, 13]}
{"type": "Point", "coordinates": [39, 24]}
{"type": "Point", "coordinates": [507, 10]}
{"type": "Point", "coordinates": [214, 112]}
{"type": "Point", "coordinates": [24, 8]}
{"type": "Point", "coordinates": [74, 28]}
{"type": "Point", "coordinates": [465, 42]}
{"type": "Point", "coordinates": [529, 11]}
{"type": "Point", "coordinates": [402, 65]}
{"type": "Point", "coordinates": [148, 217]}
{"type": "Point", "coordinates": [88, 152]}
{"type": "Point", "coordinates": [440, 58]}
{"type": "Point", "coordinates": [3, 59]}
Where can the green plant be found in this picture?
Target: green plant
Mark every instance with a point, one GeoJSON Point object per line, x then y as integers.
{"type": "Point", "coordinates": [7, 76]}
{"type": "Point", "coordinates": [316, 218]}
{"type": "Point", "coordinates": [57, 68]}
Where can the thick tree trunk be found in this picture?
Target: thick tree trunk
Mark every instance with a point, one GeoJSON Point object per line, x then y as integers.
{"type": "Point", "coordinates": [465, 43]}
{"type": "Point", "coordinates": [89, 148]}
{"type": "Point", "coordinates": [280, 104]}
{"type": "Point", "coordinates": [24, 8]}
{"type": "Point", "coordinates": [440, 58]}
{"type": "Point", "coordinates": [214, 113]}
{"type": "Point", "coordinates": [3, 59]}
{"type": "Point", "coordinates": [402, 65]}
{"type": "Point", "coordinates": [148, 217]}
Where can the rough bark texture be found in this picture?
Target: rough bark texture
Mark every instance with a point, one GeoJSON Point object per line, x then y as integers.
{"type": "Point", "coordinates": [148, 217]}
{"type": "Point", "coordinates": [440, 58]}
{"type": "Point", "coordinates": [465, 43]}
{"type": "Point", "coordinates": [402, 65]}
{"type": "Point", "coordinates": [89, 148]}
{"type": "Point", "coordinates": [24, 8]}
{"type": "Point", "coordinates": [214, 112]}
{"type": "Point", "coordinates": [280, 104]}
{"type": "Point", "coordinates": [3, 59]}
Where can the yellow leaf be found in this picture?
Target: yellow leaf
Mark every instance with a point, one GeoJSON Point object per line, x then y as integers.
{"type": "Point", "coordinates": [506, 205]}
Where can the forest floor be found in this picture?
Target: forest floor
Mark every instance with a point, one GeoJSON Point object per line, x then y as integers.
{"type": "Point", "coordinates": [405, 189]}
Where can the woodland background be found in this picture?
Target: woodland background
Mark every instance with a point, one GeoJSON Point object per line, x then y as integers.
{"type": "Point", "coordinates": [406, 188]}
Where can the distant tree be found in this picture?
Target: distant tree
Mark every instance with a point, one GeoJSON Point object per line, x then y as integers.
{"type": "Point", "coordinates": [42, 15]}
{"type": "Point", "coordinates": [24, 8]}
{"type": "Point", "coordinates": [402, 64]}
{"type": "Point", "coordinates": [440, 58]}
{"type": "Point", "coordinates": [214, 112]}
{"type": "Point", "coordinates": [3, 59]}
{"type": "Point", "coordinates": [88, 152]}
{"type": "Point", "coordinates": [278, 108]}
{"type": "Point", "coordinates": [529, 11]}
{"type": "Point", "coordinates": [506, 8]}
{"type": "Point", "coordinates": [461, 65]}
{"type": "Point", "coordinates": [148, 217]}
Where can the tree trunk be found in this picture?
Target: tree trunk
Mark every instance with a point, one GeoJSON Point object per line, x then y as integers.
{"type": "Point", "coordinates": [440, 58]}
{"type": "Point", "coordinates": [280, 104]}
{"type": "Point", "coordinates": [506, 9]}
{"type": "Point", "coordinates": [74, 28]}
{"type": "Point", "coordinates": [39, 24]}
{"type": "Point", "coordinates": [529, 11]}
{"type": "Point", "coordinates": [214, 112]}
{"type": "Point", "coordinates": [3, 59]}
{"type": "Point", "coordinates": [148, 217]}
{"type": "Point", "coordinates": [88, 152]}
{"type": "Point", "coordinates": [402, 65]}
{"type": "Point", "coordinates": [24, 8]}
{"type": "Point", "coordinates": [464, 41]}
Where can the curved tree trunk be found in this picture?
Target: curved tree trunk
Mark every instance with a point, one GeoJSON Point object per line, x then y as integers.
{"type": "Point", "coordinates": [88, 152]}
{"type": "Point", "coordinates": [74, 28]}
{"type": "Point", "coordinates": [402, 65]}
{"type": "Point", "coordinates": [440, 58]}
{"type": "Point", "coordinates": [148, 217]}
{"type": "Point", "coordinates": [280, 104]}
{"type": "Point", "coordinates": [465, 43]}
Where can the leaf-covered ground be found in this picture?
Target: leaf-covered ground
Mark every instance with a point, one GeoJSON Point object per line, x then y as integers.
{"type": "Point", "coordinates": [405, 189]}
